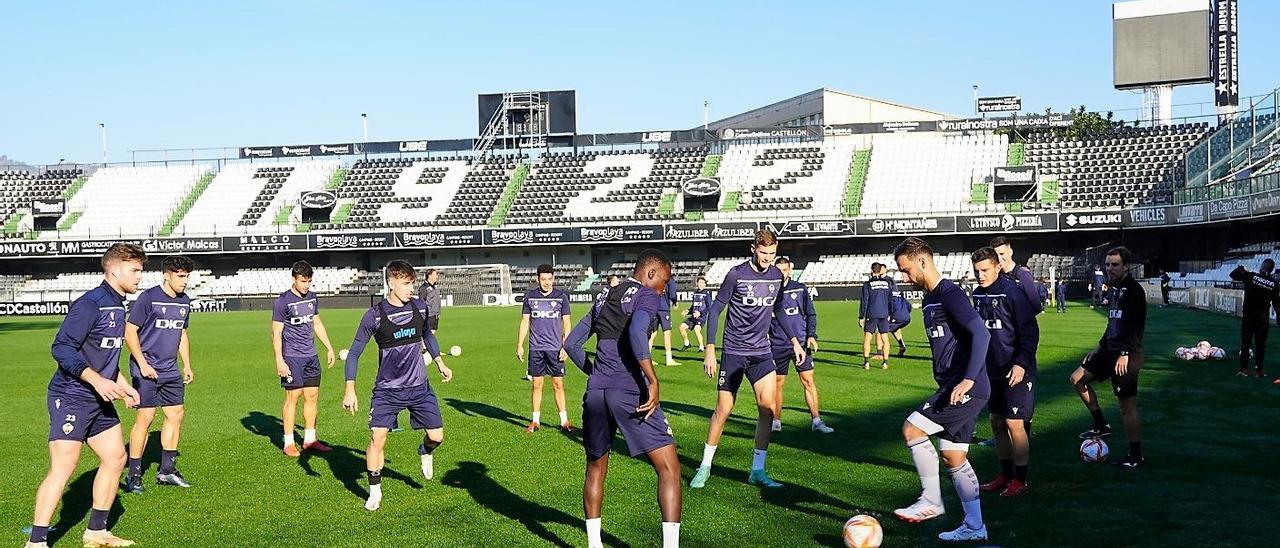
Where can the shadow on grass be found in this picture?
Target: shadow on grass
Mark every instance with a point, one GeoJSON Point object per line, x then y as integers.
{"type": "Point", "coordinates": [473, 477]}
{"type": "Point", "coordinates": [29, 325]}
{"type": "Point", "coordinates": [77, 500]}
{"type": "Point", "coordinates": [477, 409]}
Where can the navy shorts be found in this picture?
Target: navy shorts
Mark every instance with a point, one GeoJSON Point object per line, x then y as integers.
{"type": "Point", "coordinates": [433, 322]}
{"type": "Point", "coordinates": [78, 419]}
{"type": "Point", "coordinates": [663, 320]}
{"type": "Point", "coordinates": [1017, 402]}
{"type": "Point", "coordinates": [303, 373]}
{"type": "Point", "coordinates": [162, 392]}
{"type": "Point", "coordinates": [545, 363]}
{"type": "Point", "coordinates": [607, 410]}
{"type": "Point", "coordinates": [876, 325]}
{"type": "Point", "coordinates": [387, 403]}
{"type": "Point", "coordinates": [782, 358]}
{"type": "Point", "coordinates": [692, 322]}
{"type": "Point", "coordinates": [957, 421]}
{"type": "Point", "coordinates": [895, 326]}
{"type": "Point", "coordinates": [735, 367]}
{"type": "Point", "coordinates": [1103, 367]}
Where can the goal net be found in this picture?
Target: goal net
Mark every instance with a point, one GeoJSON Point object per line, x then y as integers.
{"type": "Point", "coordinates": [467, 285]}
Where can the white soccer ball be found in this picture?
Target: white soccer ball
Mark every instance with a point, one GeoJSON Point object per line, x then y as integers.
{"type": "Point", "coordinates": [342, 354]}
{"type": "Point", "coordinates": [1180, 353]}
{"type": "Point", "coordinates": [863, 531]}
{"type": "Point", "coordinates": [455, 350]}
{"type": "Point", "coordinates": [1217, 353]}
{"type": "Point", "coordinates": [1094, 450]}
{"type": "Point", "coordinates": [1203, 344]}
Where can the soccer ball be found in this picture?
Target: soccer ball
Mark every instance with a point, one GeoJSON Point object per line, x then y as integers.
{"type": "Point", "coordinates": [1181, 353]}
{"type": "Point", "coordinates": [863, 531]}
{"type": "Point", "coordinates": [1217, 353]}
{"type": "Point", "coordinates": [1203, 344]}
{"type": "Point", "coordinates": [455, 350]}
{"type": "Point", "coordinates": [1094, 450]}
{"type": "Point", "coordinates": [342, 354]}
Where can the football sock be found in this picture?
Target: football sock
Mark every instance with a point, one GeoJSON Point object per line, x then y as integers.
{"type": "Point", "coordinates": [39, 533]}
{"type": "Point", "coordinates": [1098, 420]}
{"type": "Point", "coordinates": [166, 461]}
{"type": "Point", "coordinates": [1020, 473]}
{"type": "Point", "coordinates": [670, 534]}
{"type": "Point", "coordinates": [375, 477]}
{"type": "Point", "coordinates": [288, 439]}
{"type": "Point", "coordinates": [1135, 449]}
{"type": "Point", "coordinates": [816, 421]}
{"type": "Point", "coordinates": [537, 417]}
{"type": "Point", "coordinates": [135, 468]}
{"type": "Point", "coordinates": [98, 519]}
{"type": "Point", "coordinates": [309, 435]}
{"type": "Point", "coordinates": [926, 459]}
{"type": "Point", "coordinates": [757, 459]}
{"type": "Point", "coordinates": [428, 446]}
{"type": "Point", "coordinates": [1006, 468]}
{"type": "Point", "coordinates": [564, 417]}
{"type": "Point", "coordinates": [593, 532]}
{"type": "Point", "coordinates": [966, 484]}
{"type": "Point", "coordinates": [708, 454]}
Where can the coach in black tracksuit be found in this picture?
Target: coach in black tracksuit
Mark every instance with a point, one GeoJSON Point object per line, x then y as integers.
{"type": "Point", "coordinates": [1260, 294]}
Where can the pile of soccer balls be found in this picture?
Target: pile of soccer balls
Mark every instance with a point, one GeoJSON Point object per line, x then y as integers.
{"type": "Point", "coordinates": [1201, 351]}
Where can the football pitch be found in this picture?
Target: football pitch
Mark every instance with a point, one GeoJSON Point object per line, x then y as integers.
{"type": "Point", "coordinates": [1211, 444]}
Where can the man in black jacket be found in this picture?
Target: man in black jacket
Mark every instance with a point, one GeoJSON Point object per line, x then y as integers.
{"type": "Point", "coordinates": [1260, 295]}
{"type": "Point", "coordinates": [1118, 356]}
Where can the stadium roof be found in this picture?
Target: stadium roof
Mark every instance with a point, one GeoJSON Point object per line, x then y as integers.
{"type": "Point", "coordinates": [827, 106]}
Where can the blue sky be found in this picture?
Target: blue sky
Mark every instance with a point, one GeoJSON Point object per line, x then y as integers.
{"type": "Point", "coordinates": [178, 74]}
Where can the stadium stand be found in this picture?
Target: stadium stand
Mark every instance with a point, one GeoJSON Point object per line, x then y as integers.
{"type": "Point", "coordinates": [473, 202]}
{"type": "Point", "coordinates": [685, 273]}
{"type": "Point", "coordinates": [398, 193]}
{"type": "Point", "coordinates": [914, 173]}
{"type": "Point", "coordinates": [1217, 272]}
{"type": "Point", "coordinates": [151, 192]}
{"type": "Point", "coordinates": [854, 269]}
{"type": "Point", "coordinates": [568, 277]}
{"type": "Point", "coordinates": [19, 188]}
{"type": "Point", "coordinates": [605, 186]}
{"type": "Point", "coordinates": [273, 281]}
{"type": "Point", "coordinates": [228, 195]}
{"type": "Point", "coordinates": [806, 180]}
{"type": "Point", "coordinates": [1120, 168]}
{"type": "Point", "coordinates": [278, 198]}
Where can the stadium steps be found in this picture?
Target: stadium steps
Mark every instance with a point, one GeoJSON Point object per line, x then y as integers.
{"type": "Point", "coordinates": [711, 166]}
{"type": "Point", "coordinates": [11, 227]}
{"type": "Point", "coordinates": [857, 182]}
{"type": "Point", "coordinates": [693, 215]}
{"type": "Point", "coordinates": [731, 201]}
{"type": "Point", "coordinates": [336, 179]}
{"type": "Point", "coordinates": [185, 205]}
{"type": "Point", "coordinates": [340, 215]}
{"type": "Point", "coordinates": [1017, 154]}
{"type": "Point", "coordinates": [588, 283]}
{"type": "Point", "coordinates": [70, 220]}
{"type": "Point", "coordinates": [1049, 192]}
{"type": "Point", "coordinates": [979, 193]}
{"type": "Point", "coordinates": [667, 205]}
{"type": "Point", "coordinates": [282, 218]}
{"type": "Point", "coordinates": [74, 187]}
{"type": "Point", "coordinates": [509, 196]}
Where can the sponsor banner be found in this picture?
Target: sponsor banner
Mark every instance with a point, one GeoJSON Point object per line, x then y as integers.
{"type": "Point", "coordinates": [701, 186]}
{"type": "Point", "coordinates": [368, 240]}
{"type": "Point", "coordinates": [182, 245]}
{"type": "Point", "coordinates": [259, 152]}
{"type": "Point", "coordinates": [1265, 203]}
{"type": "Point", "coordinates": [1190, 213]}
{"type": "Point", "coordinates": [92, 247]}
{"type": "Point", "coordinates": [439, 238]}
{"type": "Point", "coordinates": [1008, 103]}
{"type": "Point", "coordinates": [630, 233]}
{"type": "Point", "coordinates": [809, 229]}
{"type": "Point", "coordinates": [1095, 219]}
{"type": "Point", "coordinates": [1013, 175]}
{"type": "Point", "coordinates": [807, 132]}
{"type": "Point", "coordinates": [907, 225]}
{"type": "Point", "coordinates": [318, 199]}
{"type": "Point", "coordinates": [978, 124]}
{"type": "Point", "coordinates": [1226, 64]}
{"type": "Point", "coordinates": [214, 304]}
{"type": "Point", "coordinates": [1008, 222]}
{"type": "Point", "coordinates": [513, 236]}
{"type": "Point", "coordinates": [28, 249]}
{"type": "Point", "coordinates": [297, 151]}
{"type": "Point", "coordinates": [41, 308]}
{"type": "Point", "coordinates": [266, 242]}
{"type": "Point", "coordinates": [710, 231]}
{"type": "Point", "coordinates": [1149, 216]}
{"type": "Point", "coordinates": [48, 208]}
{"type": "Point", "coordinates": [1227, 208]}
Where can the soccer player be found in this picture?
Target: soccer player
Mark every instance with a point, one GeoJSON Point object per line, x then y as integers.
{"type": "Point", "coordinates": [1260, 295]}
{"type": "Point", "coordinates": [797, 309]}
{"type": "Point", "coordinates": [156, 334]}
{"type": "Point", "coordinates": [1042, 289]}
{"type": "Point", "coordinates": [1021, 275]}
{"type": "Point", "coordinates": [398, 325]}
{"type": "Point", "coordinates": [750, 293]}
{"type": "Point", "coordinates": [622, 392]}
{"type": "Point", "coordinates": [546, 315]}
{"type": "Point", "coordinates": [1011, 368]}
{"type": "Point", "coordinates": [899, 317]}
{"type": "Point", "coordinates": [1164, 288]}
{"type": "Point", "coordinates": [1117, 357]}
{"type": "Point", "coordinates": [670, 299]}
{"type": "Point", "coordinates": [958, 340]}
{"type": "Point", "coordinates": [1097, 286]}
{"type": "Point", "coordinates": [873, 315]}
{"type": "Point", "coordinates": [81, 392]}
{"type": "Point", "coordinates": [431, 294]}
{"type": "Point", "coordinates": [295, 323]}
{"type": "Point", "coordinates": [694, 315]}
{"type": "Point", "coordinates": [1061, 296]}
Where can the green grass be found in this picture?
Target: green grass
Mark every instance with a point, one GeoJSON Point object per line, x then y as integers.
{"type": "Point", "coordinates": [1211, 444]}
